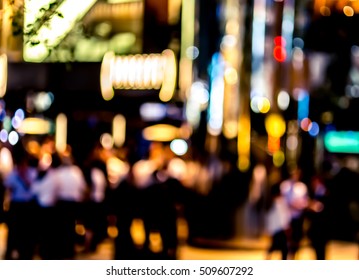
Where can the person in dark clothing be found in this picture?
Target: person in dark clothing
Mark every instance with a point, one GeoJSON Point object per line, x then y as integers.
{"type": "Point", "coordinates": [22, 210]}
{"type": "Point", "coordinates": [95, 216]}
{"type": "Point", "coordinates": [318, 231]}
{"type": "Point", "coordinates": [161, 214]}
{"type": "Point", "coordinates": [2, 200]}
{"type": "Point", "coordinates": [124, 203]}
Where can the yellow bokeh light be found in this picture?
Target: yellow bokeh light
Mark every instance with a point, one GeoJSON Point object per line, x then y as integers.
{"type": "Point", "coordinates": [232, 27]}
{"type": "Point", "coordinates": [61, 133]}
{"type": "Point", "coordinates": [263, 105]}
{"type": "Point", "coordinates": [33, 147]}
{"type": "Point", "coordinates": [327, 117]}
{"type": "Point", "coordinates": [348, 11]}
{"type": "Point", "coordinates": [137, 231]}
{"type": "Point", "coordinates": [275, 125]}
{"type": "Point", "coordinates": [6, 161]}
{"type": "Point", "coordinates": [230, 129]}
{"type": "Point", "coordinates": [119, 130]}
{"type": "Point", "coordinates": [243, 163]}
{"type": "Point", "coordinates": [155, 245]}
{"type": "Point", "coordinates": [231, 76]}
{"type": "Point", "coordinates": [80, 229]}
{"type": "Point", "coordinates": [107, 141]}
{"type": "Point", "coordinates": [278, 158]}
{"type": "Point", "coordinates": [325, 11]}
{"type": "Point", "coordinates": [161, 132]}
{"type": "Point", "coordinates": [112, 231]}
{"type": "Point", "coordinates": [34, 126]}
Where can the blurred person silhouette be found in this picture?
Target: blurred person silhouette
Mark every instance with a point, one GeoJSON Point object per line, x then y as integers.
{"type": "Point", "coordinates": [96, 212]}
{"type": "Point", "coordinates": [124, 203]}
{"type": "Point", "coordinates": [256, 200]}
{"type": "Point", "coordinates": [2, 201]}
{"type": "Point", "coordinates": [22, 210]}
{"type": "Point", "coordinates": [278, 220]}
{"type": "Point", "coordinates": [71, 189]}
{"type": "Point", "coordinates": [319, 230]}
{"type": "Point", "coordinates": [297, 196]}
{"type": "Point", "coordinates": [45, 189]}
{"type": "Point", "coordinates": [162, 197]}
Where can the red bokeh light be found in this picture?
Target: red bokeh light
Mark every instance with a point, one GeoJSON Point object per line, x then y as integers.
{"type": "Point", "coordinates": [279, 53]}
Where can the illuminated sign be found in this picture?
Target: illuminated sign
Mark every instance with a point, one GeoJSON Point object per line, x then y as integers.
{"type": "Point", "coordinates": [342, 142]}
{"type": "Point", "coordinates": [141, 71]}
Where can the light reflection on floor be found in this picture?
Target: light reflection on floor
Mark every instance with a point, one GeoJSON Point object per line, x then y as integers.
{"type": "Point", "coordinates": [336, 250]}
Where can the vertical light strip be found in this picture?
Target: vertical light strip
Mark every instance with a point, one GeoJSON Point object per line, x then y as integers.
{"type": "Point", "coordinates": [288, 25]}
{"type": "Point", "coordinates": [231, 49]}
{"type": "Point", "coordinates": [61, 133]}
{"type": "Point", "coordinates": [3, 74]}
{"type": "Point", "coordinates": [244, 142]}
{"type": "Point", "coordinates": [6, 163]}
{"type": "Point", "coordinates": [106, 76]}
{"type": "Point", "coordinates": [187, 40]}
{"type": "Point", "coordinates": [119, 130]}
{"type": "Point", "coordinates": [215, 121]}
{"type": "Point", "coordinates": [51, 34]}
{"type": "Point", "coordinates": [259, 22]}
{"type": "Point", "coordinates": [169, 76]}
{"type": "Point", "coordinates": [303, 104]}
{"type": "Point", "coordinates": [258, 87]}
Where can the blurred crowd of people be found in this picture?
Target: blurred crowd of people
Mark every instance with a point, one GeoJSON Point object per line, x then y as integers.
{"type": "Point", "coordinates": [50, 198]}
{"type": "Point", "coordinates": [50, 201]}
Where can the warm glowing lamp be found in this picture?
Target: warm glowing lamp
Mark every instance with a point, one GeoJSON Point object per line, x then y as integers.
{"type": "Point", "coordinates": [35, 126]}
{"type": "Point", "coordinates": [275, 127]}
{"type": "Point", "coordinates": [161, 133]}
{"type": "Point", "coordinates": [139, 72]}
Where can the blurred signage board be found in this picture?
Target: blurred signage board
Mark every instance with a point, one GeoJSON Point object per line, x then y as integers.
{"type": "Point", "coordinates": [342, 142]}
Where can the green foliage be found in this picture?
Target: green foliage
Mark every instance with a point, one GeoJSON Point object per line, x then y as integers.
{"type": "Point", "coordinates": [30, 31]}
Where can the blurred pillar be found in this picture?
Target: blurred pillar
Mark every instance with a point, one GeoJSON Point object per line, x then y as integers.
{"type": "Point", "coordinates": [11, 29]}
{"type": "Point", "coordinates": [188, 32]}
{"type": "Point", "coordinates": [155, 26]}
{"type": "Point", "coordinates": [245, 70]}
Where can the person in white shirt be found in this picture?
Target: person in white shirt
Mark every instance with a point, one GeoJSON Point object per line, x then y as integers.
{"type": "Point", "coordinates": [296, 195]}
{"type": "Point", "coordinates": [278, 223]}
{"type": "Point", "coordinates": [71, 188]}
{"type": "Point", "coordinates": [45, 190]}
